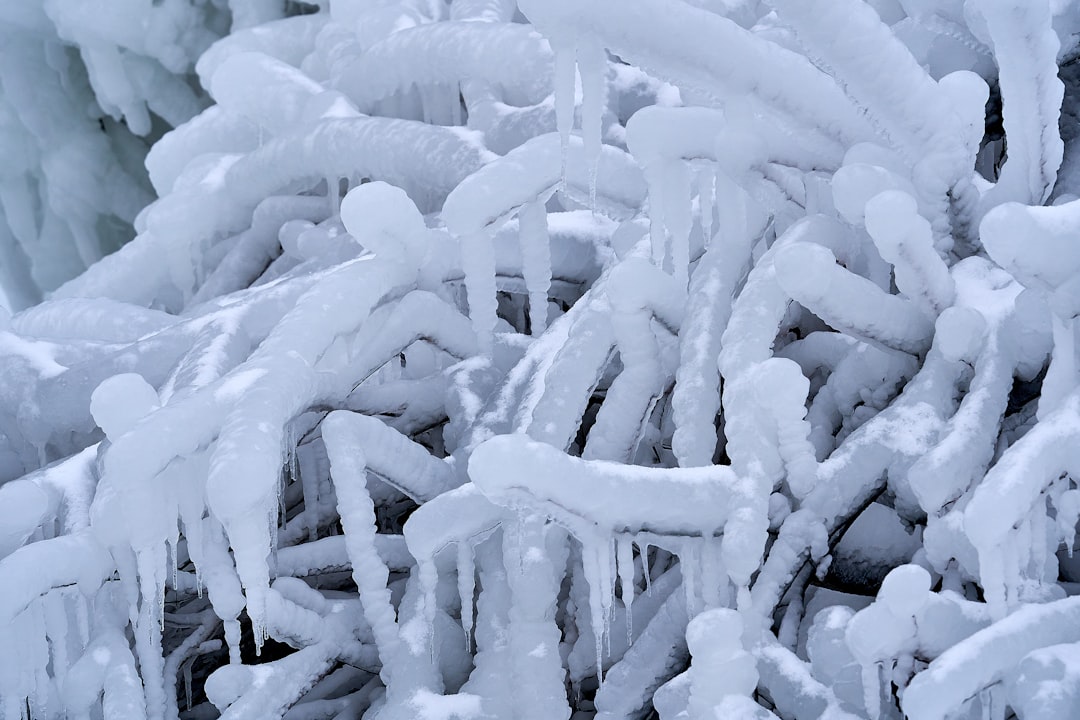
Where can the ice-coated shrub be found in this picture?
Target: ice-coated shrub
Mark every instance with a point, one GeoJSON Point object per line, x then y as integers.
{"type": "Point", "coordinates": [540, 359]}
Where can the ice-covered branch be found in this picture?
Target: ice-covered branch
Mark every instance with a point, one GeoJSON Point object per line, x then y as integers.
{"type": "Point", "coordinates": [848, 302]}
{"type": "Point", "coordinates": [953, 677]}
{"type": "Point", "coordinates": [578, 491]}
{"type": "Point", "coordinates": [1026, 49]}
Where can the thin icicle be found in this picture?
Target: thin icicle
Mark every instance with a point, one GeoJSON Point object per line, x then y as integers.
{"type": "Point", "coordinates": [871, 680]}
{"type": "Point", "coordinates": [333, 194]}
{"type": "Point", "coordinates": [657, 227]}
{"type": "Point", "coordinates": [676, 188]}
{"type": "Point", "coordinates": [608, 575]}
{"type": "Point", "coordinates": [466, 580]}
{"type": "Point", "coordinates": [592, 66]}
{"type": "Point", "coordinates": [478, 262]}
{"type": "Point", "coordinates": [643, 552]}
{"type": "Point", "coordinates": [595, 555]}
{"type": "Point", "coordinates": [690, 562]}
{"type": "Point", "coordinates": [706, 198]}
{"type": "Point", "coordinates": [713, 575]}
{"type": "Point", "coordinates": [535, 261]}
{"type": "Point", "coordinates": [624, 550]}
{"type": "Point", "coordinates": [454, 102]}
{"type": "Point", "coordinates": [564, 98]}
{"type": "Point", "coordinates": [232, 639]}
{"type": "Point", "coordinates": [310, 480]}
{"type": "Point", "coordinates": [1039, 540]}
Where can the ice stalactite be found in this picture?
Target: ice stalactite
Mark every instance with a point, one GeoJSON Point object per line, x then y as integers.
{"type": "Point", "coordinates": [706, 191]}
{"type": "Point", "coordinates": [466, 579]}
{"type": "Point", "coordinates": [536, 261]}
{"type": "Point", "coordinates": [565, 81]}
{"type": "Point", "coordinates": [670, 214]}
{"type": "Point", "coordinates": [599, 564]}
{"type": "Point", "coordinates": [478, 261]}
{"type": "Point", "coordinates": [592, 67]}
{"type": "Point", "coordinates": [624, 555]}
{"type": "Point", "coordinates": [671, 182]}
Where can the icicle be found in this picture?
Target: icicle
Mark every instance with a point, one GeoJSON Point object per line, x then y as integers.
{"type": "Point", "coordinates": [657, 228]}
{"type": "Point", "coordinates": [173, 566]}
{"type": "Point", "coordinates": [151, 564]}
{"type": "Point", "coordinates": [56, 625]}
{"type": "Point", "coordinates": [643, 553]}
{"type": "Point", "coordinates": [187, 682]}
{"type": "Point", "coordinates": [1025, 542]}
{"type": "Point", "coordinates": [872, 690]}
{"type": "Point", "coordinates": [788, 634]}
{"type": "Point", "coordinates": [36, 655]}
{"type": "Point", "coordinates": [232, 639]}
{"type": "Point", "coordinates": [706, 196]}
{"type": "Point", "coordinates": [996, 702]}
{"type": "Point", "coordinates": [578, 607]}
{"type": "Point", "coordinates": [535, 261]}
{"type": "Point", "coordinates": [1061, 376]}
{"type": "Point", "coordinates": [427, 102]}
{"type": "Point", "coordinates": [690, 562]}
{"type": "Point", "coordinates": [713, 574]}
{"type": "Point", "coordinates": [442, 99]}
{"type": "Point", "coordinates": [608, 574]}
{"type": "Point", "coordinates": [592, 66]}
{"type": "Point", "coordinates": [429, 580]}
{"type": "Point", "coordinates": [744, 603]}
{"type": "Point", "coordinates": [676, 189]}
{"type": "Point", "coordinates": [624, 550]}
{"type": "Point", "coordinates": [478, 262]}
{"type": "Point", "coordinates": [466, 578]}
{"type": "Point", "coordinates": [564, 98]}
{"type": "Point", "coordinates": [595, 556]}
{"type": "Point", "coordinates": [1011, 563]}
{"type": "Point", "coordinates": [333, 195]}
{"type": "Point", "coordinates": [519, 531]}
{"type": "Point", "coordinates": [82, 620]}
{"type": "Point", "coordinates": [1039, 540]}
{"type": "Point", "coordinates": [309, 482]}
{"type": "Point", "coordinates": [455, 105]}
{"type": "Point", "coordinates": [732, 212]}
{"type": "Point", "coordinates": [992, 580]}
